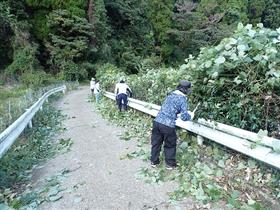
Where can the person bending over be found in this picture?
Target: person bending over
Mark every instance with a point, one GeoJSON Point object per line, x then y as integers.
{"type": "Point", "coordinates": [163, 131]}
{"type": "Point", "coordinates": [121, 91]}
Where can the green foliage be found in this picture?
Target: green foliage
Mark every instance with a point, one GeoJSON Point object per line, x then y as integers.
{"type": "Point", "coordinates": [160, 16]}
{"type": "Point", "coordinates": [157, 82]}
{"type": "Point", "coordinates": [211, 174]}
{"type": "Point", "coordinates": [272, 14]}
{"type": "Point", "coordinates": [69, 39]}
{"type": "Point", "coordinates": [41, 29]}
{"type": "Point", "coordinates": [17, 8]}
{"type": "Point", "coordinates": [24, 57]}
{"type": "Point", "coordinates": [14, 101]}
{"type": "Point", "coordinates": [43, 8]}
{"type": "Point", "coordinates": [27, 68]}
{"type": "Point", "coordinates": [100, 49]}
{"type": "Point", "coordinates": [130, 61]}
{"type": "Point", "coordinates": [29, 150]}
{"type": "Point", "coordinates": [28, 153]}
{"type": "Point", "coordinates": [36, 79]}
{"type": "Point", "coordinates": [197, 25]}
{"type": "Point", "coordinates": [71, 71]}
{"type": "Point", "coordinates": [152, 62]}
{"type": "Point", "coordinates": [109, 75]}
{"type": "Point", "coordinates": [131, 32]}
{"type": "Point", "coordinates": [6, 33]}
{"type": "Point", "coordinates": [89, 67]}
{"type": "Point", "coordinates": [75, 7]}
{"type": "Point", "coordinates": [122, 32]}
{"type": "Point", "coordinates": [100, 23]}
{"type": "Point", "coordinates": [24, 61]}
{"type": "Point", "coordinates": [234, 11]}
{"type": "Point", "coordinates": [256, 9]}
{"type": "Point", "coordinates": [238, 80]}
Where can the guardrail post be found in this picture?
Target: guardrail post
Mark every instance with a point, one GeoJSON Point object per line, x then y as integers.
{"type": "Point", "coordinates": [9, 110]}
{"type": "Point", "coordinates": [30, 124]}
{"type": "Point", "coordinates": [200, 140]}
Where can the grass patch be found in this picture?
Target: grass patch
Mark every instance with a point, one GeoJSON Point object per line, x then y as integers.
{"type": "Point", "coordinates": [33, 147]}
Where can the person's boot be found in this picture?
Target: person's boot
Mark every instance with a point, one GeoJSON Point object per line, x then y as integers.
{"type": "Point", "coordinates": [170, 167]}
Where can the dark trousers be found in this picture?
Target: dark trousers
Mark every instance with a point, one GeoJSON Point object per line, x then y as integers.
{"type": "Point", "coordinates": [122, 101]}
{"type": "Point", "coordinates": [162, 133]}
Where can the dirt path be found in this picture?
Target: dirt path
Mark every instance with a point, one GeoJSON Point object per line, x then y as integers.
{"type": "Point", "coordinates": [103, 180]}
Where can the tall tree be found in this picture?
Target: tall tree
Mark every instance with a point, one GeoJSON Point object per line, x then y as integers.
{"type": "Point", "coordinates": [101, 51]}
{"type": "Point", "coordinates": [271, 18]}
{"type": "Point", "coordinates": [196, 25]}
{"type": "Point", "coordinates": [235, 11]}
{"type": "Point", "coordinates": [39, 10]}
{"type": "Point", "coordinates": [68, 43]}
{"type": "Point", "coordinates": [160, 15]}
{"type": "Point", "coordinates": [90, 11]}
{"type": "Point", "coordinates": [256, 10]}
{"type": "Point", "coordinates": [6, 34]}
{"type": "Point", "coordinates": [130, 31]}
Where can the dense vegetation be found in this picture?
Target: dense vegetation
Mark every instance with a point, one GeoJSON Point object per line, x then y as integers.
{"type": "Point", "coordinates": [234, 68]}
{"type": "Point", "coordinates": [30, 150]}
{"type": "Point", "coordinates": [68, 39]}
{"type": "Point", "coordinates": [214, 176]}
{"type": "Point", "coordinates": [237, 81]}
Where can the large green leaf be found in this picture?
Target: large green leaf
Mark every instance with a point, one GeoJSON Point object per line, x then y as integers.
{"type": "Point", "coordinates": [220, 60]}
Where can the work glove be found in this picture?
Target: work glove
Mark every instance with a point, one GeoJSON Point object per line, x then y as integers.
{"type": "Point", "coordinates": [192, 114]}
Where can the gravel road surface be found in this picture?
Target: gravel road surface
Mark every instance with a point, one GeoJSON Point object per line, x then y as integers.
{"type": "Point", "coordinates": [100, 179]}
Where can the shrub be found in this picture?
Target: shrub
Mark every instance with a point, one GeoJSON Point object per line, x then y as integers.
{"type": "Point", "coordinates": [238, 80]}
{"type": "Point", "coordinates": [36, 79]}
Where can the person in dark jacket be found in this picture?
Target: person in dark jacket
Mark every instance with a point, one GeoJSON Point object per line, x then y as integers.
{"type": "Point", "coordinates": [174, 105]}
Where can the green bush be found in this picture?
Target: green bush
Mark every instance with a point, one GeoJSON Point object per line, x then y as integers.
{"type": "Point", "coordinates": [238, 80]}
{"type": "Point", "coordinates": [150, 85]}
{"type": "Point", "coordinates": [72, 71]}
{"type": "Point", "coordinates": [109, 75]}
{"type": "Point", "coordinates": [24, 60]}
{"type": "Point", "coordinates": [36, 79]}
{"type": "Point", "coordinates": [41, 29]}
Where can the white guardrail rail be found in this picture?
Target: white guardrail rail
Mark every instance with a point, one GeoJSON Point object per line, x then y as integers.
{"type": "Point", "coordinates": [8, 136]}
{"type": "Point", "coordinates": [231, 137]}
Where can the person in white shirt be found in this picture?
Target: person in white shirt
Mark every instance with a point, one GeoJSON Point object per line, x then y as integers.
{"type": "Point", "coordinates": [121, 91]}
{"type": "Point", "coordinates": [97, 91]}
{"type": "Point", "coordinates": [92, 84]}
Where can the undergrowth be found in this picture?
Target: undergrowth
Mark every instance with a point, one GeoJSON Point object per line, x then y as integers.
{"type": "Point", "coordinates": [15, 100]}
{"type": "Point", "coordinates": [216, 177]}
{"type": "Point", "coordinates": [31, 149]}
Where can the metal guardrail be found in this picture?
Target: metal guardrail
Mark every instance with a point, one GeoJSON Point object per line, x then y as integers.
{"type": "Point", "coordinates": [234, 138]}
{"type": "Point", "coordinates": [8, 136]}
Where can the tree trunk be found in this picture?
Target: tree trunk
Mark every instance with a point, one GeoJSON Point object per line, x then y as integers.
{"type": "Point", "coordinates": [90, 11]}
{"type": "Point", "coordinates": [90, 14]}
